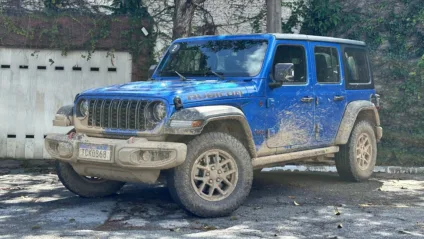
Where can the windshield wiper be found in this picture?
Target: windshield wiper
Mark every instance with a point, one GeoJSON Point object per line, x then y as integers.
{"type": "Point", "coordinates": [217, 74]}
{"type": "Point", "coordinates": [183, 78]}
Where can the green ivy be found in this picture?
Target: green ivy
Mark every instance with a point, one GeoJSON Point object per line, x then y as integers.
{"type": "Point", "coordinates": [133, 40]}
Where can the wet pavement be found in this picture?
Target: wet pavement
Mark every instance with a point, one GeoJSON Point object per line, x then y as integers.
{"type": "Point", "coordinates": [281, 205]}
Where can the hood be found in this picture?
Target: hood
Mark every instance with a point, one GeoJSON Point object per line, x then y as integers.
{"type": "Point", "coordinates": [188, 91]}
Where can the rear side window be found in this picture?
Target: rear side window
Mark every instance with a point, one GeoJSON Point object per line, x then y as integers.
{"type": "Point", "coordinates": [327, 65]}
{"type": "Point", "coordinates": [356, 66]}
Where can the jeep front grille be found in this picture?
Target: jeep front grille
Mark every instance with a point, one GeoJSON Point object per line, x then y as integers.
{"type": "Point", "coordinates": [119, 114]}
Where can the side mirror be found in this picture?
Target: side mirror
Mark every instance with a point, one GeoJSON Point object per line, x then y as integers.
{"type": "Point", "coordinates": [283, 72]}
{"type": "Point", "coordinates": [151, 71]}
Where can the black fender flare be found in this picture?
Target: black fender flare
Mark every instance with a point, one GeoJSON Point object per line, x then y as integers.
{"type": "Point", "coordinates": [207, 114]}
{"type": "Point", "coordinates": [349, 118]}
{"type": "Point", "coordinates": [64, 116]}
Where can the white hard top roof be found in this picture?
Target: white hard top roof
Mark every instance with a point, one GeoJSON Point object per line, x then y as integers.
{"type": "Point", "coordinates": [316, 38]}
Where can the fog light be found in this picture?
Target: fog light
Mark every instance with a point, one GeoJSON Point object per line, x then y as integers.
{"type": "Point", "coordinates": [65, 149]}
{"type": "Point", "coordinates": [147, 156]}
{"type": "Point", "coordinates": [53, 146]}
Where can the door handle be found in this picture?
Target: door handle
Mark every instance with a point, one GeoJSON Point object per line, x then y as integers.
{"type": "Point", "coordinates": [338, 98]}
{"type": "Point", "coordinates": [307, 99]}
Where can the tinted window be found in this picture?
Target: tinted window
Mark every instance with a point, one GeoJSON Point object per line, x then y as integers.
{"type": "Point", "coordinates": [327, 65]}
{"type": "Point", "coordinates": [295, 55]}
{"type": "Point", "coordinates": [225, 57]}
{"type": "Point", "coordinates": [356, 66]}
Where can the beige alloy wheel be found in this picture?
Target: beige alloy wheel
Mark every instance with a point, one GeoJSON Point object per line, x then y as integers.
{"type": "Point", "coordinates": [356, 160]}
{"type": "Point", "coordinates": [214, 175]}
{"type": "Point", "coordinates": [215, 178]}
{"type": "Point", "coordinates": [363, 151]}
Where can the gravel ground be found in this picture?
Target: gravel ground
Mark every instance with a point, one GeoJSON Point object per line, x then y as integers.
{"type": "Point", "coordinates": [281, 205]}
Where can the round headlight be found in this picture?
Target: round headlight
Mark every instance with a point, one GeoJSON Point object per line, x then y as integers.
{"type": "Point", "coordinates": [83, 108]}
{"type": "Point", "coordinates": [159, 111]}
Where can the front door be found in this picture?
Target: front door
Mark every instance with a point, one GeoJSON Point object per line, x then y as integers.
{"type": "Point", "coordinates": [329, 91]}
{"type": "Point", "coordinates": [291, 106]}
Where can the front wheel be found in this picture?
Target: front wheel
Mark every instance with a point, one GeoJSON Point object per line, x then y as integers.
{"type": "Point", "coordinates": [356, 160]}
{"type": "Point", "coordinates": [89, 187]}
{"type": "Point", "coordinates": [215, 178]}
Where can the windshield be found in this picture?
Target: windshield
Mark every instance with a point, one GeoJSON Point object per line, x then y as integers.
{"type": "Point", "coordinates": [223, 57]}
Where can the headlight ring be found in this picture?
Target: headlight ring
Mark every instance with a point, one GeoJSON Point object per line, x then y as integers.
{"type": "Point", "coordinates": [83, 108]}
{"type": "Point", "coordinates": [156, 111]}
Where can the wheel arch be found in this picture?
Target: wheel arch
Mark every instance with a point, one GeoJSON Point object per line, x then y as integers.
{"type": "Point", "coordinates": [218, 118]}
{"type": "Point", "coordinates": [356, 111]}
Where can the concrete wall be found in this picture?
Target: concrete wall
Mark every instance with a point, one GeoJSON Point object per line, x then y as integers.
{"type": "Point", "coordinates": [35, 84]}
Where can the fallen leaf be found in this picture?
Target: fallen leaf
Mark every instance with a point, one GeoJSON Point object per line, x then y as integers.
{"type": "Point", "coordinates": [209, 228]}
{"type": "Point", "coordinates": [35, 227]}
{"type": "Point", "coordinates": [340, 226]}
{"type": "Point", "coordinates": [233, 218]}
{"type": "Point", "coordinates": [337, 212]}
{"type": "Point", "coordinates": [292, 197]}
{"type": "Point", "coordinates": [295, 203]}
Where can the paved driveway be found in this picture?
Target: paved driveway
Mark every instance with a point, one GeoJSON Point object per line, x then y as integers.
{"type": "Point", "coordinates": [281, 205]}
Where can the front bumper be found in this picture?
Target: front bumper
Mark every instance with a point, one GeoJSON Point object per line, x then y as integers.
{"type": "Point", "coordinates": [128, 160]}
{"type": "Point", "coordinates": [124, 153]}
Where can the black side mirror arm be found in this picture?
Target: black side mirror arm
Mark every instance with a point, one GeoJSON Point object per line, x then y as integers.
{"type": "Point", "coordinates": [274, 84]}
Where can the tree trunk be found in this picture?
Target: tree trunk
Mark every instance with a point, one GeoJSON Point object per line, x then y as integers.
{"type": "Point", "coordinates": [183, 15]}
{"type": "Point", "coordinates": [273, 18]}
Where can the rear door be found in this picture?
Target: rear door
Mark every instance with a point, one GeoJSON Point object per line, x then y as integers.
{"type": "Point", "coordinates": [329, 90]}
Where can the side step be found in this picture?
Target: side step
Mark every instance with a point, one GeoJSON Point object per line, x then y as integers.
{"type": "Point", "coordinates": [281, 158]}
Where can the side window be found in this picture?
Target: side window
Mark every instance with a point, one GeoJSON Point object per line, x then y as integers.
{"type": "Point", "coordinates": [327, 65]}
{"type": "Point", "coordinates": [295, 55]}
{"type": "Point", "coordinates": [356, 66]}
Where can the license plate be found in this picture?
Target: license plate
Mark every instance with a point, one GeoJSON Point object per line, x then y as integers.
{"type": "Point", "coordinates": [94, 151]}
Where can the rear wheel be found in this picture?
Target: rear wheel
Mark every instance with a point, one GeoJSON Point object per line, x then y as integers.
{"type": "Point", "coordinates": [356, 160]}
{"type": "Point", "coordinates": [215, 178]}
{"type": "Point", "coordinates": [84, 186]}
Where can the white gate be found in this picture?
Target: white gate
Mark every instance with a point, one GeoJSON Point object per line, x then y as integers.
{"type": "Point", "coordinates": [35, 84]}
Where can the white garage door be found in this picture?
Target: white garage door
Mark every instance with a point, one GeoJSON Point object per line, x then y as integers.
{"type": "Point", "coordinates": [35, 84]}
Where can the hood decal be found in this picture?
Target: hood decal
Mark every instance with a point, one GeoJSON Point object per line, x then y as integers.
{"type": "Point", "coordinates": [213, 95]}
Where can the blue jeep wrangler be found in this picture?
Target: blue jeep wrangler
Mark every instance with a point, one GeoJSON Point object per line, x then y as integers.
{"type": "Point", "coordinates": [215, 109]}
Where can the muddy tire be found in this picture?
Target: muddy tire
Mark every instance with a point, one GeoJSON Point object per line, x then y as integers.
{"type": "Point", "coordinates": [356, 160]}
{"type": "Point", "coordinates": [85, 186]}
{"type": "Point", "coordinates": [215, 178]}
